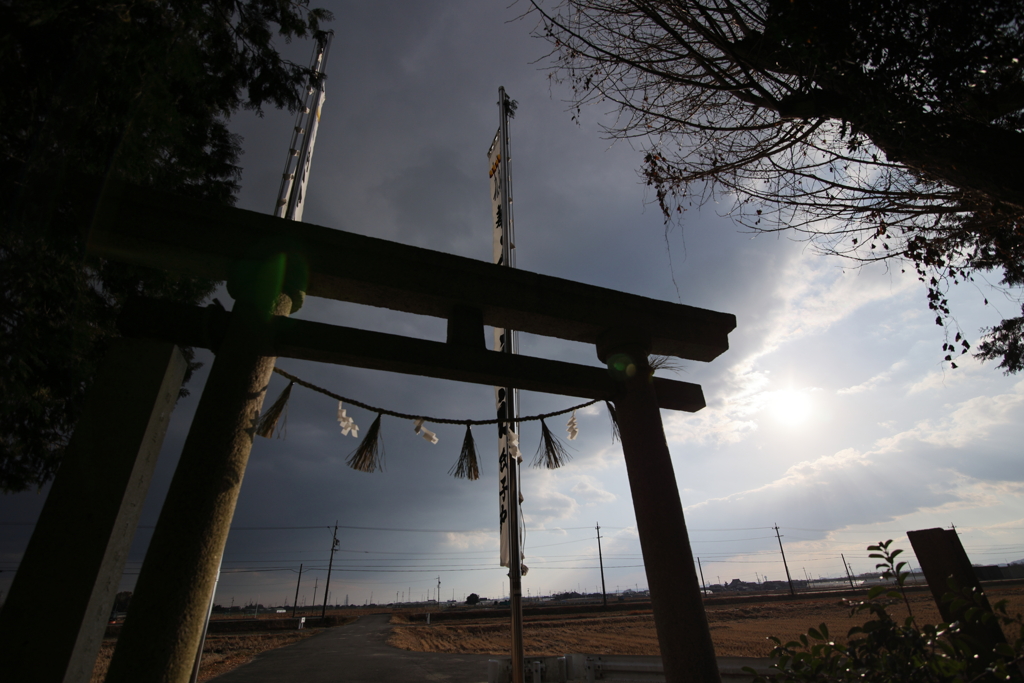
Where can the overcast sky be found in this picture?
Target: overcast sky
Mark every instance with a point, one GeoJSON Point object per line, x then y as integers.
{"type": "Point", "coordinates": [831, 414]}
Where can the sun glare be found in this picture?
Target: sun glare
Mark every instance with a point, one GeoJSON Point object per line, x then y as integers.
{"type": "Point", "coordinates": [791, 407]}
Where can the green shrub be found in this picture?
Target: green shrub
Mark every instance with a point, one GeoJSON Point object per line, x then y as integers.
{"type": "Point", "coordinates": [883, 650]}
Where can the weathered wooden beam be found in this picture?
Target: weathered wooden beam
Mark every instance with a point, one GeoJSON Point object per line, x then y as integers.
{"type": "Point", "coordinates": [306, 340]}
{"type": "Point", "coordinates": [160, 230]}
{"type": "Point", "coordinates": [941, 557]}
{"type": "Point", "coordinates": [171, 600]}
{"type": "Point", "coordinates": [81, 540]}
{"type": "Point", "coordinates": [687, 651]}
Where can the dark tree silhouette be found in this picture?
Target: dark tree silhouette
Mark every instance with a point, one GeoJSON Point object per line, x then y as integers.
{"type": "Point", "coordinates": [96, 89]}
{"type": "Point", "coordinates": [879, 129]}
{"type": "Point", "coordinates": [472, 599]}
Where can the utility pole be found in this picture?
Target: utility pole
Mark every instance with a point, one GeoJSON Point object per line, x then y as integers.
{"type": "Point", "coordinates": [316, 580]}
{"type": "Point", "coordinates": [600, 558]}
{"type": "Point", "coordinates": [439, 592]}
{"type": "Point", "coordinates": [206, 626]}
{"type": "Point", "coordinates": [847, 568]}
{"type": "Point", "coordinates": [334, 546]}
{"type": "Point", "coordinates": [788, 578]}
{"type": "Point", "coordinates": [702, 584]}
{"type": "Point", "coordinates": [296, 604]}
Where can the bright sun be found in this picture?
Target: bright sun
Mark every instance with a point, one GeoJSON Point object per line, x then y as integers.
{"type": "Point", "coordinates": [791, 407]}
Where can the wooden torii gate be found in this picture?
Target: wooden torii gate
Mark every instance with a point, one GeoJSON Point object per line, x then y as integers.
{"type": "Point", "coordinates": [270, 265]}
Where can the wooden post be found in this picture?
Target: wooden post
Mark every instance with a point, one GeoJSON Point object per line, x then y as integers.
{"type": "Point", "coordinates": [81, 541]}
{"type": "Point", "coordinates": [687, 652]}
{"type": "Point", "coordinates": [942, 557]}
{"type": "Point", "coordinates": [165, 621]}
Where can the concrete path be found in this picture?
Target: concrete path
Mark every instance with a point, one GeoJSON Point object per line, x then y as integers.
{"type": "Point", "coordinates": [357, 653]}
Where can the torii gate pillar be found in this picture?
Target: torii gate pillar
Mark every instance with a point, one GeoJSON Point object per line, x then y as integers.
{"type": "Point", "coordinates": [687, 652]}
{"type": "Point", "coordinates": [159, 644]}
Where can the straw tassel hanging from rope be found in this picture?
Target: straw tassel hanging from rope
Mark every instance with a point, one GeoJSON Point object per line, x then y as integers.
{"type": "Point", "coordinates": [467, 467]}
{"type": "Point", "coordinates": [369, 457]}
{"type": "Point", "coordinates": [551, 453]}
{"type": "Point", "coordinates": [267, 423]}
{"type": "Point", "coordinates": [615, 421]}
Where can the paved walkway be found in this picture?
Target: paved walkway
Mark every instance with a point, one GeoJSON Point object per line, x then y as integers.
{"type": "Point", "coordinates": [357, 653]}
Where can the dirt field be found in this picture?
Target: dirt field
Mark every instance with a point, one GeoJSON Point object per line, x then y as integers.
{"type": "Point", "coordinates": [737, 630]}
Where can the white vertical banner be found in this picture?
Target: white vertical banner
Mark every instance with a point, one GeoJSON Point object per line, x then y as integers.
{"type": "Point", "coordinates": [502, 395]}
{"type": "Point", "coordinates": [505, 464]}
{"type": "Point", "coordinates": [497, 173]}
{"type": "Point", "coordinates": [508, 440]}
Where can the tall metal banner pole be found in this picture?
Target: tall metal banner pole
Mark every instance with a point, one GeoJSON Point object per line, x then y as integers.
{"type": "Point", "coordinates": [505, 341]}
{"type": "Point", "coordinates": [600, 558]}
{"type": "Point", "coordinates": [292, 194]}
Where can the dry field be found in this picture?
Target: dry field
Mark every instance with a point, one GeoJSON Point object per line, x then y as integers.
{"type": "Point", "coordinates": [737, 630]}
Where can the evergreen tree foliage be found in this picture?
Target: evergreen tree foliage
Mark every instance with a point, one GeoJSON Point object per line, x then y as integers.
{"type": "Point", "coordinates": [100, 89]}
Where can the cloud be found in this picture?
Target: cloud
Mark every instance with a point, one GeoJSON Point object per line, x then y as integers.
{"type": "Point", "coordinates": [542, 504]}
{"type": "Point", "coordinates": [473, 540]}
{"type": "Point", "coordinates": [815, 294]}
{"type": "Point", "coordinates": [811, 295]}
{"type": "Point", "coordinates": [921, 469]}
{"type": "Point", "coordinates": [728, 420]}
{"type": "Point", "coordinates": [967, 369]}
{"type": "Point", "coordinates": [971, 422]}
{"type": "Point", "coordinates": [875, 381]}
{"type": "Point", "coordinates": [716, 426]}
{"type": "Point", "coordinates": [845, 488]}
{"type": "Point", "coordinates": [586, 490]}
{"type": "Point", "coordinates": [735, 418]}
{"type": "Point", "coordinates": [1012, 525]}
